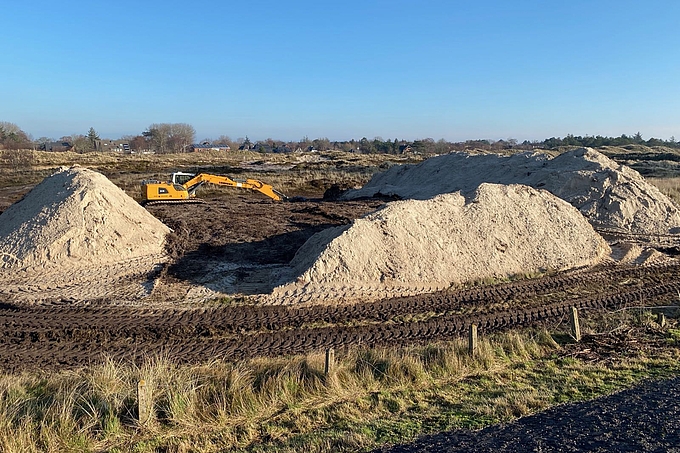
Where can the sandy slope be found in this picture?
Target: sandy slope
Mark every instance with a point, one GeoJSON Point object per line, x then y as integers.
{"type": "Point", "coordinates": [608, 194]}
{"type": "Point", "coordinates": [498, 231]}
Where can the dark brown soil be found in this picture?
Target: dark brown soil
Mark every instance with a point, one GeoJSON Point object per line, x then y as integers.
{"type": "Point", "coordinates": [248, 230]}
{"type": "Point", "coordinates": [72, 335]}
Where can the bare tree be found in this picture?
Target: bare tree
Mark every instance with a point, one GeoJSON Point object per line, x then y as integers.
{"type": "Point", "coordinates": [170, 137]}
{"type": "Point", "coordinates": [138, 143]}
{"type": "Point", "coordinates": [12, 137]}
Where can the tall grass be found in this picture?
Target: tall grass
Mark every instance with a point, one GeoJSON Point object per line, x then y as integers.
{"type": "Point", "coordinates": [223, 405]}
{"type": "Point", "coordinates": [669, 187]}
{"type": "Point", "coordinates": [371, 396]}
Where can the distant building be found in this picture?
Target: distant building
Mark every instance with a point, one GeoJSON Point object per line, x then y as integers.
{"type": "Point", "coordinates": [209, 147]}
{"type": "Point", "coordinates": [120, 146]}
{"type": "Point", "coordinates": [405, 148]}
{"type": "Point", "coordinates": [282, 149]}
{"type": "Point", "coordinates": [263, 148]}
{"type": "Point", "coordinates": [56, 146]}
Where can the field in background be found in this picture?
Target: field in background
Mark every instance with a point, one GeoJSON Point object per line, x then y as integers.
{"type": "Point", "coordinates": [305, 174]}
{"type": "Point", "coordinates": [298, 174]}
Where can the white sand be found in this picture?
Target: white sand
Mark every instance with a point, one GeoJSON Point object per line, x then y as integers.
{"type": "Point", "coordinates": [75, 218]}
{"type": "Point", "coordinates": [498, 231]}
{"type": "Point", "coordinates": [608, 194]}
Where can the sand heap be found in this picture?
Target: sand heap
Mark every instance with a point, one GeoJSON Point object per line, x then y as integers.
{"type": "Point", "coordinates": [431, 244]}
{"type": "Point", "coordinates": [77, 217]}
{"type": "Point", "coordinates": [608, 194]}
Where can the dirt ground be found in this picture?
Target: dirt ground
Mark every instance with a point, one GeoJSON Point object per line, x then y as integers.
{"type": "Point", "coordinates": [233, 242]}
{"type": "Point", "coordinates": [233, 245]}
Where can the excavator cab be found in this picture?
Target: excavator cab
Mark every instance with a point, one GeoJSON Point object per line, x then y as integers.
{"type": "Point", "coordinates": [181, 178]}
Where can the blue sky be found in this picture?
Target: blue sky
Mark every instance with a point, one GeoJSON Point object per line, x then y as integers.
{"type": "Point", "coordinates": [457, 70]}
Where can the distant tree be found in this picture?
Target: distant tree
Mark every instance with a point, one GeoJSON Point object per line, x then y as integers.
{"type": "Point", "coordinates": [321, 144]}
{"type": "Point", "coordinates": [81, 143]}
{"type": "Point", "coordinates": [40, 142]}
{"type": "Point", "coordinates": [170, 137]}
{"type": "Point", "coordinates": [246, 144]}
{"type": "Point", "coordinates": [138, 143]}
{"type": "Point", "coordinates": [442, 146]}
{"type": "Point", "coordinates": [364, 146]}
{"type": "Point", "coordinates": [12, 137]}
{"type": "Point", "coordinates": [226, 140]}
{"type": "Point", "coordinates": [654, 142]}
{"type": "Point", "coordinates": [92, 136]}
{"type": "Point", "coordinates": [425, 146]}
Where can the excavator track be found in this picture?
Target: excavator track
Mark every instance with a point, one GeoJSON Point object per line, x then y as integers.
{"type": "Point", "coordinates": [189, 201]}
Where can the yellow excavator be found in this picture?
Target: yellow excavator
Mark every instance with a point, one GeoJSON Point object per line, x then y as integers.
{"type": "Point", "coordinates": [182, 188]}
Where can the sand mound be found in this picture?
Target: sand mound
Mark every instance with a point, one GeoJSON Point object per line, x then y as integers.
{"type": "Point", "coordinates": [608, 194]}
{"type": "Point", "coordinates": [431, 244]}
{"type": "Point", "coordinates": [77, 217]}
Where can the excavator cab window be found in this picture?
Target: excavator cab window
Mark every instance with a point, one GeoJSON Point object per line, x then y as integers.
{"type": "Point", "coordinates": [181, 178]}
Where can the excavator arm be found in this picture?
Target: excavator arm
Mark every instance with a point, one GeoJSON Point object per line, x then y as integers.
{"type": "Point", "coordinates": [253, 184]}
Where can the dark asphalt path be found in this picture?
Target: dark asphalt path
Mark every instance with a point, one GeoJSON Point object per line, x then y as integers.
{"type": "Point", "coordinates": [642, 419]}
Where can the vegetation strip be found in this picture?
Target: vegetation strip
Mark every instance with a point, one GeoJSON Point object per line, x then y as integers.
{"type": "Point", "coordinates": [369, 398]}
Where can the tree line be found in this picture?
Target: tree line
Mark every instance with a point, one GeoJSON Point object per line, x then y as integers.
{"type": "Point", "coordinates": [180, 137]}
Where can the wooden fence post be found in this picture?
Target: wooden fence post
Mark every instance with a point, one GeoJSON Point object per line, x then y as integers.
{"type": "Point", "coordinates": [330, 360]}
{"type": "Point", "coordinates": [661, 319]}
{"type": "Point", "coordinates": [575, 327]}
{"type": "Point", "coordinates": [144, 402]}
{"type": "Point", "coordinates": [472, 339]}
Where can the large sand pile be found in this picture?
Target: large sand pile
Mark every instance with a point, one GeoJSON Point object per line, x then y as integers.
{"type": "Point", "coordinates": [76, 218]}
{"type": "Point", "coordinates": [497, 231]}
{"type": "Point", "coordinates": [608, 194]}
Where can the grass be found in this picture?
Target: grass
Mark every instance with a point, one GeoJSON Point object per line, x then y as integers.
{"type": "Point", "coordinates": [372, 397]}
{"type": "Point", "coordinates": [668, 186]}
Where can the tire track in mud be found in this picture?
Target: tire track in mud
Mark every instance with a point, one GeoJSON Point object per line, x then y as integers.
{"type": "Point", "coordinates": [246, 318]}
{"type": "Point", "coordinates": [57, 336]}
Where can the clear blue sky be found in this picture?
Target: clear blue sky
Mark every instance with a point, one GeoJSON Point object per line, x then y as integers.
{"type": "Point", "coordinates": [458, 70]}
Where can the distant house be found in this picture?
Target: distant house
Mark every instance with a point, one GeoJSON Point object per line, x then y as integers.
{"type": "Point", "coordinates": [262, 147]}
{"type": "Point", "coordinates": [120, 146]}
{"type": "Point", "coordinates": [209, 147]}
{"type": "Point", "coordinates": [56, 146]}
{"type": "Point", "coordinates": [282, 149]}
{"type": "Point", "coordinates": [405, 148]}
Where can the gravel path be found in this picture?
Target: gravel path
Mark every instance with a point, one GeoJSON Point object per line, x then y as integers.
{"type": "Point", "coordinates": [642, 419]}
